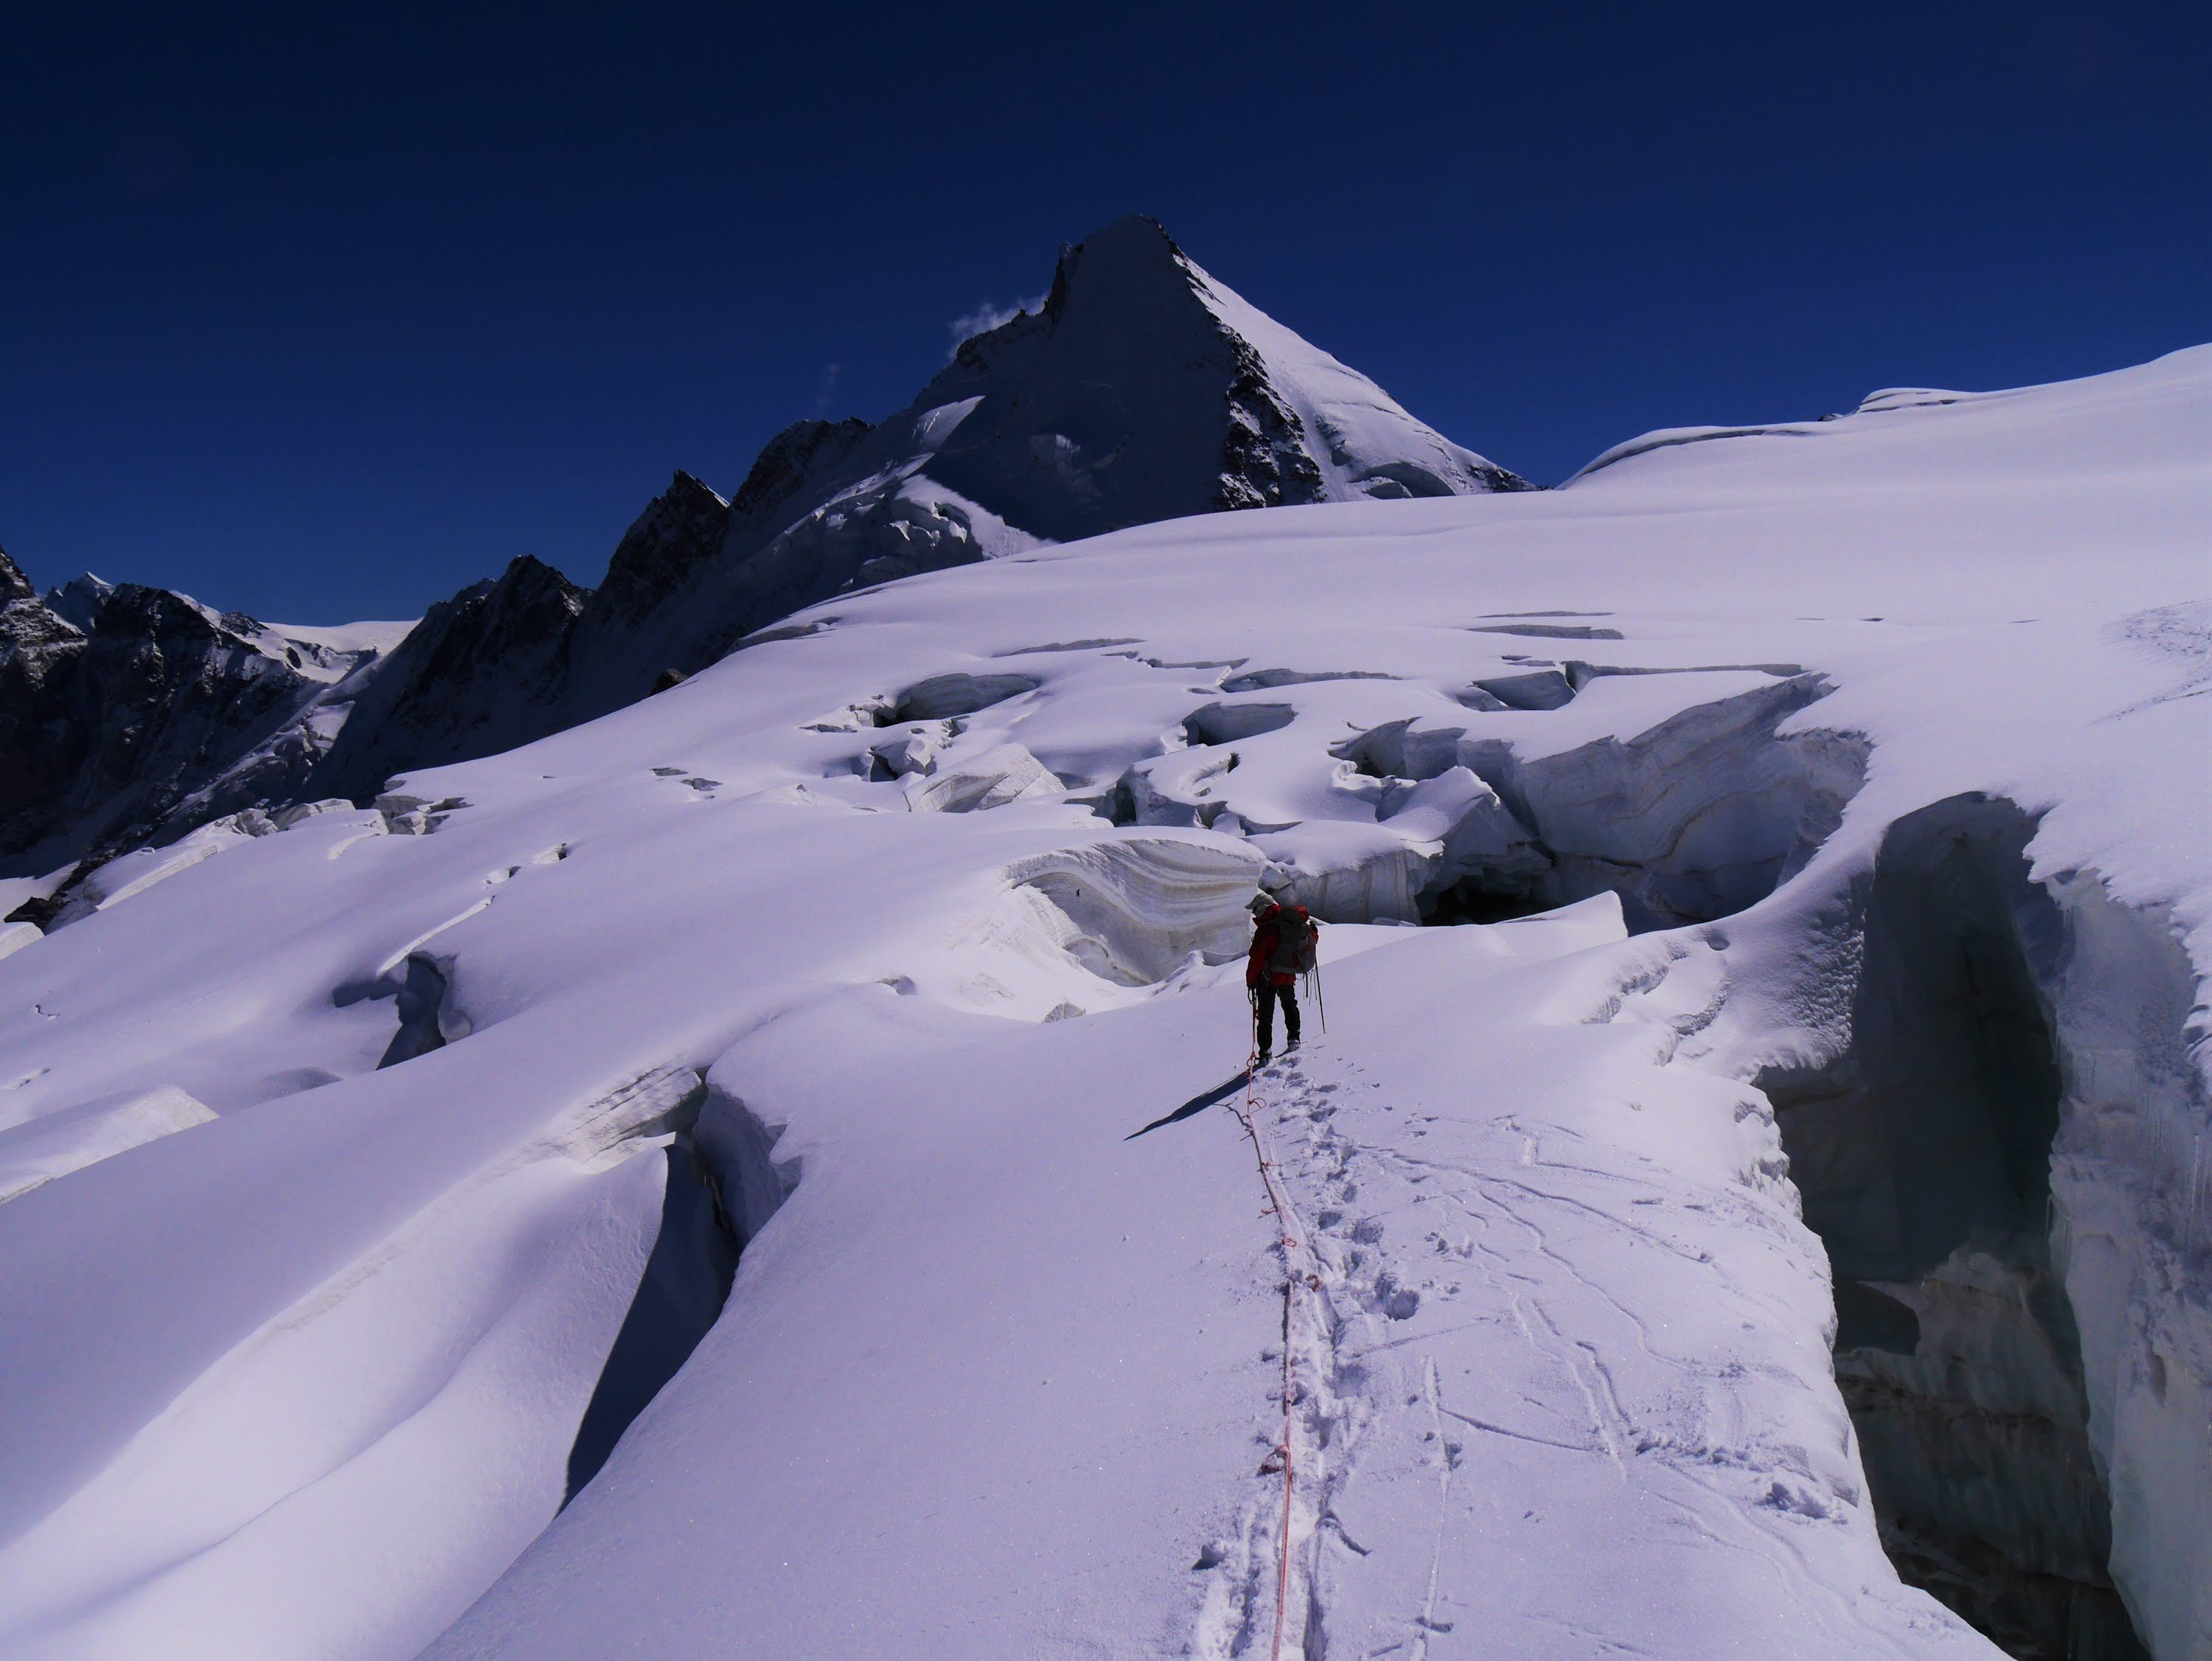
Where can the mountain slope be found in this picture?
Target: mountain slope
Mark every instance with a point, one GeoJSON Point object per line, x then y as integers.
{"type": "Point", "coordinates": [1784, 1175]}
{"type": "Point", "coordinates": [473, 677]}
{"type": "Point", "coordinates": [133, 712]}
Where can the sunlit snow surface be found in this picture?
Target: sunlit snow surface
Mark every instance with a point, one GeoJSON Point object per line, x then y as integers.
{"type": "Point", "coordinates": [300, 1378]}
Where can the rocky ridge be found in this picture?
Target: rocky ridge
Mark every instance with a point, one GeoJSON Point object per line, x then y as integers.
{"type": "Point", "coordinates": [130, 714]}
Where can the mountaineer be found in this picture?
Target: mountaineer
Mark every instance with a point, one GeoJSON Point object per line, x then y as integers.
{"type": "Point", "coordinates": [1285, 940]}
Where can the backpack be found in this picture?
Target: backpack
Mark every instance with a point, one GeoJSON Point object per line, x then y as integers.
{"type": "Point", "coordinates": [1298, 942]}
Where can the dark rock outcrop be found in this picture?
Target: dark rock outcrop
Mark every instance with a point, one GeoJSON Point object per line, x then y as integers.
{"type": "Point", "coordinates": [679, 531]}
{"type": "Point", "coordinates": [39, 750]}
{"type": "Point", "coordinates": [114, 733]}
{"type": "Point", "coordinates": [474, 677]}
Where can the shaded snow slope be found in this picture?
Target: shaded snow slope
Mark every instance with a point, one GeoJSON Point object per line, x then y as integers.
{"type": "Point", "coordinates": [888, 932]}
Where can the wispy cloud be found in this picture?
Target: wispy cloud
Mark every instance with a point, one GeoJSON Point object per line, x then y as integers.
{"type": "Point", "coordinates": [826, 388]}
{"type": "Point", "coordinates": [989, 315]}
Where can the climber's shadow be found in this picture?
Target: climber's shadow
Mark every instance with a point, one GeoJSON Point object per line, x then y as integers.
{"type": "Point", "coordinates": [1198, 1104]}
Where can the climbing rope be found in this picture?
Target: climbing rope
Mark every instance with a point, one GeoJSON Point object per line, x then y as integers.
{"type": "Point", "coordinates": [1313, 992]}
{"type": "Point", "coordinates": [1248, 1115]}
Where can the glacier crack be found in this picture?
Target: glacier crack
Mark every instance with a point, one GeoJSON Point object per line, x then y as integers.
{"type": "Point", "coordinates": [1923, 1154]}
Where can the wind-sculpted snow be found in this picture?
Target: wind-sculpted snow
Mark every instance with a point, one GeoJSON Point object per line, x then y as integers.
{"type": "Point", "coordinates": [62, 1143]}
{"type": "Point", "coordinates": [312, 1376]}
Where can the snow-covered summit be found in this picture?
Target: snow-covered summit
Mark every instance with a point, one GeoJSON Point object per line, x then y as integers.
{"type": "Point", "coordinates": [77, 602]}
{"type": "Point", "coordinates": [1144, 390]}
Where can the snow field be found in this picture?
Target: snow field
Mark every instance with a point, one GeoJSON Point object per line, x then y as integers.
{"type": "Point", "coordinates": [305, 1378]}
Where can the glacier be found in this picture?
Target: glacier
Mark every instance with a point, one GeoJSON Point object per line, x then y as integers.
{"type": "Point", "coordinates": [709, 1181]}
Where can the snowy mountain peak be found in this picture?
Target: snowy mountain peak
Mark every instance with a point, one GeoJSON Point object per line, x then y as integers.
{"type": "Point", "coordinates": [78, 601]}
{"type": "Point", "coordinates": [1145, 389]}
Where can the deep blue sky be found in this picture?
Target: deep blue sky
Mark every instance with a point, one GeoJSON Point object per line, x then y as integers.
{"type": "Point", "coordinates": [324, 312]}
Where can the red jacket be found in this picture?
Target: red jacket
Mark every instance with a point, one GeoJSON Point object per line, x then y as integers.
{"type": "Point", "coordinates": [1264, 939]}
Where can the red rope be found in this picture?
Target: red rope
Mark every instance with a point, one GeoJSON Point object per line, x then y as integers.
{"type": "Point", "coordinates": [1289, 1242]}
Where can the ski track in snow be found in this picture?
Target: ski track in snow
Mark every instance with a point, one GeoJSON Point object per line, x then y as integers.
{"type": "Point", "coordinates": [1352, 1169]}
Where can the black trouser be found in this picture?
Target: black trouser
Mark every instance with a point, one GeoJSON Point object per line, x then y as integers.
{"type": "Point", "coordinates": [1264, 997]}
